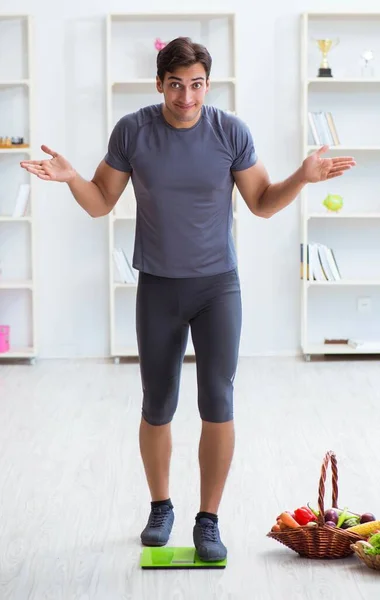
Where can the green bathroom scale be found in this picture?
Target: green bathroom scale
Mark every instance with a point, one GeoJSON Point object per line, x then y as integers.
{"type": "Point", "coordinates": [176, 558]}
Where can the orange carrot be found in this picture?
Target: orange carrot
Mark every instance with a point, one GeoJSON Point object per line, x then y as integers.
{"type": "Point", "coordinates": [276, 527]}
{"type": "Point", "coordinates": [288, 520]}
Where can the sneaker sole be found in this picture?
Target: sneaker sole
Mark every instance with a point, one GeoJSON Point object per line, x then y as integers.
{"type": "Point", "coordinates": [153, 544]}
{"type": "Point", "coordinates": [214, 559]}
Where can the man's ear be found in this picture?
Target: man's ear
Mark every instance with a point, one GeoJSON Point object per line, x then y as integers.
{"type": "Point", "coordinates": [159, 85]}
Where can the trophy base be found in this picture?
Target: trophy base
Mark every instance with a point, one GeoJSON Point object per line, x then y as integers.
{"type": "Point", "coordinates": [324, 72]}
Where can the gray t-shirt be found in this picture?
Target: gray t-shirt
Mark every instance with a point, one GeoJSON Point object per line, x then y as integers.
{"type": "Point", "coordinates": [183, 186]}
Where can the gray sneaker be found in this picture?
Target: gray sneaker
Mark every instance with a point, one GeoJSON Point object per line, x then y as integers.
{"type": "Point", "coordinates": [207, 541]}
{"type": "Point", "coordinates": [159, 526]}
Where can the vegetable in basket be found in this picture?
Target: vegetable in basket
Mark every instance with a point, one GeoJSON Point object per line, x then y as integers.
{"type": "Point", "coordinates": [366, 529]}
{"type": "Point", "coordinates": [364, 524]}
{"type": "Point", "coordinates": [303, 515]}
{"type": "Point", "coordinates": [374, 542]}
{"type": "Point", "coordinates": [331, 516]}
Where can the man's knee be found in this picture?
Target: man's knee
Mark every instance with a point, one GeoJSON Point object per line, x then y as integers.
{"type": "Point", "coordinates": [215, 401]}
{"type": "Point", "coordinates": [159, 405]}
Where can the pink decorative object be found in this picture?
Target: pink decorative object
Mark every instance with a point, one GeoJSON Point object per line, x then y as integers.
{"type": "Point", "coordinates": [159, 44]}
{"type": "Point", "coordinates": [4, 338]}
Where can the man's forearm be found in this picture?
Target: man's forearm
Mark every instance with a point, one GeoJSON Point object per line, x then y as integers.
{"type": "Point", "coordinates": [279, 195]}
{"type": "Point", "coordinates": [88, 196]}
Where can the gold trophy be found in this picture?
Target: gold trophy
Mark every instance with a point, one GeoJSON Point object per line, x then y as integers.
{"type": "Point", "coordinates": [325, 47]}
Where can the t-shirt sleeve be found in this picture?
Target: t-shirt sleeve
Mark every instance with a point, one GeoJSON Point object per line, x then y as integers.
{"type": "Point", "coordinates": [117, 154]}
{"type": "Point", "coordinates": [243, 148]}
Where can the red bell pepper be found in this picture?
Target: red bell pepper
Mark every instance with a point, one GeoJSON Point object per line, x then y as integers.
{"type": "Point", "coordinates": [303, 515]}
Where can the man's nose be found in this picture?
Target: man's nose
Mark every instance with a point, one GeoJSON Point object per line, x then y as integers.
{"type": "Point", "coordinates": [186, 96]}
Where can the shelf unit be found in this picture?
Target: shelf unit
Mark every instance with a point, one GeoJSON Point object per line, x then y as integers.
{"type": "Point", "coordinates": [17, 229]}
{"type": "Point", "coordinates": [329, 309]}
{"type": "Point", "coordinates": [131, 84]}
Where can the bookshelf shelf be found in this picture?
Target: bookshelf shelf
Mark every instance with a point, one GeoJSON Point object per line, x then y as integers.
{"type": "Point", "coordinates": [340, 251]}
{"type": "Point", "coordinates": [20, 353]}
{"type": "Point", "coordinates": [119, 285]}
{"type": "Point", "coordinates": [170, 16]}
{"type": "Point", "coordinates": [338, 81]}
{"type": "Point", "coordinates": [13, 83]}
{"type": "Point", "coordinates": [345, 282]}
{"type": "Point", "coordinates": [320, 349]}
{"type": "Point", "coordinates": [16, 150]}
{"type": "Point", "coordinates": [152, 81]}
{"type": "Point", "coordinates": [337, 216]}
{"type": "Point", "coordinates": [347, 148]}
{"type": "Point", "coordinates": [123, 217]}
{"type": "Point", "coordinates": [130, 52]}
{"type": "Point", "coordinates": [16, 285]}
{"type": "Point", "coordinates": [9, 219]}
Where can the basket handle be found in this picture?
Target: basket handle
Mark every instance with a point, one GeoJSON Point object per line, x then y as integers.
{"type": "Point", "coordinates": [329, 457]}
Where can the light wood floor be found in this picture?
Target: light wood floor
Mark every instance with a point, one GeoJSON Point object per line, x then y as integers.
{"type": "Point", "coordinates": [73, 497]}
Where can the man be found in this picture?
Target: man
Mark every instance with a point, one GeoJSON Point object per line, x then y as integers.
{"type": "Point", "coordinates": [184, 158]}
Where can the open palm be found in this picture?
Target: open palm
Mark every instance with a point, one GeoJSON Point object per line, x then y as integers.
{"type": "Point", "coordinates": [317, 168]}
{"type": "Point", "coordinates": [56, 168]}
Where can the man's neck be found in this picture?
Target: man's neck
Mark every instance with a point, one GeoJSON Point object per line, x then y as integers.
{"type": "Point", "coordinates": [168, 116]}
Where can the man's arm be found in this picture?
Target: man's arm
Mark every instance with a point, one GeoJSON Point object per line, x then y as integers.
{"type": "Point", "coordinates": [262, 197]}
{"type": "Point", "coordinates": [265, 199]}
{"type": "Point", "coordinates": [99, 196]}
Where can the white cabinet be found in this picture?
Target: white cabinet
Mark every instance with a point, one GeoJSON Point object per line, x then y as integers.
{"type": "Point", "coordinates": [17, 256]}
{"type": "Point", "coordinates": [332, 308]}
{"type": "Point", "coordinates": [131, 76]}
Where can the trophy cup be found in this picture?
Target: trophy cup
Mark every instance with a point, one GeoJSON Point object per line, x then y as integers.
{"type": "Point", "coordinates": [325, 47]}
{"type": "Point", "coordinates": [367, 69]}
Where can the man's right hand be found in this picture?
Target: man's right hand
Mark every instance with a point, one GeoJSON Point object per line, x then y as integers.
{"type": "Point", "coordinates": [56, 168]}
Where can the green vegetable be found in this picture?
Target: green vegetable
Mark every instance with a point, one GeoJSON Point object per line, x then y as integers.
{"type": "Point", "coordinates": [347, 519]}
{"type": "Point", "coordinates": [351, 522]}
{"type": "Point", "coordinates": [315, 512]}
{"type": "Point", "coordinates": [342, 517]}
{"type": "Point", "coordinates": [375, 543]}
{"type": "Point", "coordinates": [348, 512]}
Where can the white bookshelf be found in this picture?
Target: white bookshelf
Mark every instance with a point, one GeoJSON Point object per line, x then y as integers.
{"type": "Point", "coordinates": [131, 84]}
{"type": "Point", "coordinates": [17, 229]}
{"type": "Point", "coordinates": [330, 308]}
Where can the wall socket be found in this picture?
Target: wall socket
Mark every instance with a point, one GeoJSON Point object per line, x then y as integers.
{"type": "Point", "coordinates": [364, 305]}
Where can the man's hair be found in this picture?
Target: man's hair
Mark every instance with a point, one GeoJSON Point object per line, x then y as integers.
{"type": "Point", "coordinates": [182, 52]}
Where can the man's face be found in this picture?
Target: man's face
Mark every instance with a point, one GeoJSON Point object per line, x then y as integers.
{"type": "Point", "coordinates": [184, 91]}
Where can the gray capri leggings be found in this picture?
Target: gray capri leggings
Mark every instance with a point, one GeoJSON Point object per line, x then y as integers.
{"type": "Point", "coordinates": [165, 309]}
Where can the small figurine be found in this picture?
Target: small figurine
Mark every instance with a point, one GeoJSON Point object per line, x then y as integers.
{"type": "Point", "coordinates": [367, 69]}
{"type": "Point", "coordinates": [7, 142]}
{"type": "Point", "coordinates": [333, 202]}
{"type": "Point", "coordinates": [159, 44]}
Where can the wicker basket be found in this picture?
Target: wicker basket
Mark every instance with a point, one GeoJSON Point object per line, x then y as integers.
{"type": "Point", "coordinates": [373, 562]}
{"type": "Point", "coordinates": [320, 541]}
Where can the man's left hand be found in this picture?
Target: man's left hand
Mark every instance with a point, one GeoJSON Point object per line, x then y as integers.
{"type": "Point", "coordinates": [316, 168]}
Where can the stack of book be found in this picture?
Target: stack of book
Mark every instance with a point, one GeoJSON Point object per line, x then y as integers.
{"type": "Point", "coordinates": [22, 201]}
{"type": "Point", "coordinates": [124, 267]}
{"type": "Point", "coordinates": [322, 129]}
{"type": "Point", "coordinates": [321, 263]}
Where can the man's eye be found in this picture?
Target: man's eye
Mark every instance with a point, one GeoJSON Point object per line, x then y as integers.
{"type": "Point", "coordinates": [175, 85]}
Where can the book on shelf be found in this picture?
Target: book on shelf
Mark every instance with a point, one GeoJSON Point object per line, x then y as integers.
{"type": "Point", "coordinates": [22, 200]}
{"type": "Point", "coordinates": [322, 129]}
{"type": "Point", "coordinates": [363, 345]}
{"type": "Point", "coordinates": [321, 264]}
{"type": "Point", "coordinates": [123, 265]}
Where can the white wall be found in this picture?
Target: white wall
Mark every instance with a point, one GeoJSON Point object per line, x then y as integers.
{"type": "Point", "coordinates": [70, 116]}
